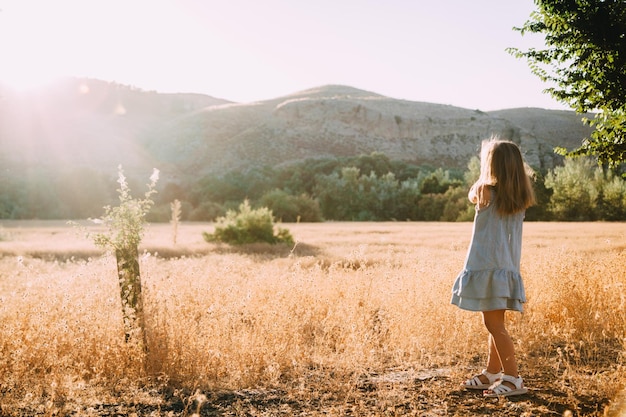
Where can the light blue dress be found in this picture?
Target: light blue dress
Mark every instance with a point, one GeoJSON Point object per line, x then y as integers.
{"type": "Point", "coordinates": [491, 278]}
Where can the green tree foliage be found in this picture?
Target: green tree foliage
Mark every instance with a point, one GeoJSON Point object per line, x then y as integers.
{"type": "Point", "coordinates": [385, 198]}
{"type": "Point", "coordinates": [540, 211]}
{"type": "Point", "coordinates": [438, 182]}
{"type": "Point", "coordinates": [37, 193]}
{"type": "Point", "coordinates": [170, 192]}
{"type": "Point", "coordinates": [457, 208]}
{"type": "Point", "coordinates": [473, 171]}
{"type": "Point", "coordinates": [585, 60]}
{"type": "Point", "coordinates": [430, 207]}
{"type": "Point", "coordinates": [248, 225]}
{"type": "Point", "coordinates": [83, 192]}
{"type": "Point", "coordinates": [375, 162]}
{"type": "Point", "coordinates": [574, 190]}
{"type": "Point", "coordinates": [206, 211]}
{"type": "Point", "coordinates": [611, 200]}
{"type": "Point", "coordinates": [235, 186]}
{"type": "Point", "coordinates": [408, 197]}
{"type": "Point", "coordinates": [34, 195]}
{"type": "Point", "coordinates": [301, 178]}
{"type": "Point", "coordinates": [352, 196]}
{"type": "Point", "coordinates": [315, 189]}
{"type": "Point", "coordinates": [355, 196]}
{"type": "Point", "coordinates": [291, 208]}
{"type": "Point", "coordinates": [338, 195]}
{"type": "Point", "coordinates": [365, 187]}
{"type": "Point", "coordinates": [11, 201]}
{"type": "Point", "coordinates": [582, 191]}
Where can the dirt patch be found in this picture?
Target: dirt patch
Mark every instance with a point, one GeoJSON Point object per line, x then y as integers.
{"type": "Point", "coordinates": [433, 392]}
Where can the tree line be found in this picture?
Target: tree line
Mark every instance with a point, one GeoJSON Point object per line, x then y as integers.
{"type": "Point", "coordinates": [364, 188]}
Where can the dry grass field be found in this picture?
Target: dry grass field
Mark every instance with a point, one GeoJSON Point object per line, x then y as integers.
{"type": "Point", "coordinates": [354, 320]}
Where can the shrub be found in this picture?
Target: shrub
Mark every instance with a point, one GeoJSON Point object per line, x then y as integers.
{"type": "Point", "coordinates": [248, 226]}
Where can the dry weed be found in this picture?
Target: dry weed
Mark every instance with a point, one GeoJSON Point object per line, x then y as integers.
{"type": "Point", "coordinates": [351, 320]}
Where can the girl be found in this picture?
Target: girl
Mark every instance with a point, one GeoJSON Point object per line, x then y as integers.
{"type": "Point", "coordinates": [490, 281]}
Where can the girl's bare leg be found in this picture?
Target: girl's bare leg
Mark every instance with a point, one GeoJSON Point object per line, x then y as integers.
{"type": "Point", "coordinates": [494, 364]}
{"type": "Point", "coordinates": [501, 343]}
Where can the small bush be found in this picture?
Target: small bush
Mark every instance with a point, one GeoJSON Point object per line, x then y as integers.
{"type": "Point", "coordinates": [248, 226]}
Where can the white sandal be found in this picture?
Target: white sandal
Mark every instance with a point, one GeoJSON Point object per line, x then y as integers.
{"type": "Point", "coordinates": [476, 383]}
{"type": "Point", "coordinates": [499, 389]}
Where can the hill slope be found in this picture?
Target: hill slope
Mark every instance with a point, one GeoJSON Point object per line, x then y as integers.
{"type": "Point", "coordinates": [342, 121]}
{"type": "Point", "coordinates": [85, 122]}
{"type": "Point", "coordinates": [98, 124]}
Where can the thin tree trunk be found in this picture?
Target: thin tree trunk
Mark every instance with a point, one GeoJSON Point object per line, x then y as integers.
{"type": "Point", "coordinates": [130, 291]}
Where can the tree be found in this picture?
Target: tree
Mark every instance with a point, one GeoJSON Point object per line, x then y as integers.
{"type": "Point", "coordinates": [438, 182]}
{"type": "Point", "coordinates": [338, 194]}
{"type": "Point", "coordinates": [125, 225]}
{"type": "Point", "coordinates": [574, 190]}
{"type": "Point", "coordinates": [292, 208]}
{"type": "Point", "coordinates": [611, 204]}
{"type": "Point", "coordinates": [585, 58]}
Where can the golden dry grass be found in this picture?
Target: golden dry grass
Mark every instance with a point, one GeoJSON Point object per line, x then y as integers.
{"type": "Point", "coordinates": [355, 320]}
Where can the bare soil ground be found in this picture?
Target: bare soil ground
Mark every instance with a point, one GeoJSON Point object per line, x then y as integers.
{"type": "Point", "coordinates": [397, 393]}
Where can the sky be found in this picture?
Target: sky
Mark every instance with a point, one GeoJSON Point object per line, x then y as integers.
{"type": "Point", "coordinates": [445, 51]}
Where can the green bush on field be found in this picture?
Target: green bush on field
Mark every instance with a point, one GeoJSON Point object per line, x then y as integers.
{"type": "Point", "coordinates": [248, 226]}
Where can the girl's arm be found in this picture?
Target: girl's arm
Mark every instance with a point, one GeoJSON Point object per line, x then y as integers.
{"type": "Point", "coordinates": [473, 197]}
{"type": "Point", "coordinates": [480, 194]}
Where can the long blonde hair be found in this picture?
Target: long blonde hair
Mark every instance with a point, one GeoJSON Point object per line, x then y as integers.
{"type": "Point", "coordinates": [502, 167]}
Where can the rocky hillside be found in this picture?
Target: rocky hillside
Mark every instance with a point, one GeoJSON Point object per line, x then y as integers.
{"type": "Point", "coordinates": [90, 122]}
{"type": "Point", "coordinates": [343, 121]}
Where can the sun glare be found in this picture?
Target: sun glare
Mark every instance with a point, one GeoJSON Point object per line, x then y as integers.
{"type": "Point", "coordinates": [29, 59]}
{"type": "Point", "coordinates": [27, 81]}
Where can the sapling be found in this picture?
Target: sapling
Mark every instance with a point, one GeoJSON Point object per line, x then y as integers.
{"type": "Point", "coordinates": [176, 214]}
{"type": "Point", "coordinates": [125, 228]}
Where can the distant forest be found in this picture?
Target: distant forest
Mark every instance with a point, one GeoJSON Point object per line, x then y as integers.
{"type": "Point", "coordinates": [364, 188]}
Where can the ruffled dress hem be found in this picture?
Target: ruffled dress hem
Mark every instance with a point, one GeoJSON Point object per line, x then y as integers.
{"type": "Point", "coordinates": [489, 290]}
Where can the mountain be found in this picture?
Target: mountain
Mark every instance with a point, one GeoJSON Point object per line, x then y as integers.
{"type": "Point", "coordinates": [98, 124]}
{"type": "Point", "coordinates": [86, 122]}
{"type": "Point", "coordinates": [343, 121]}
